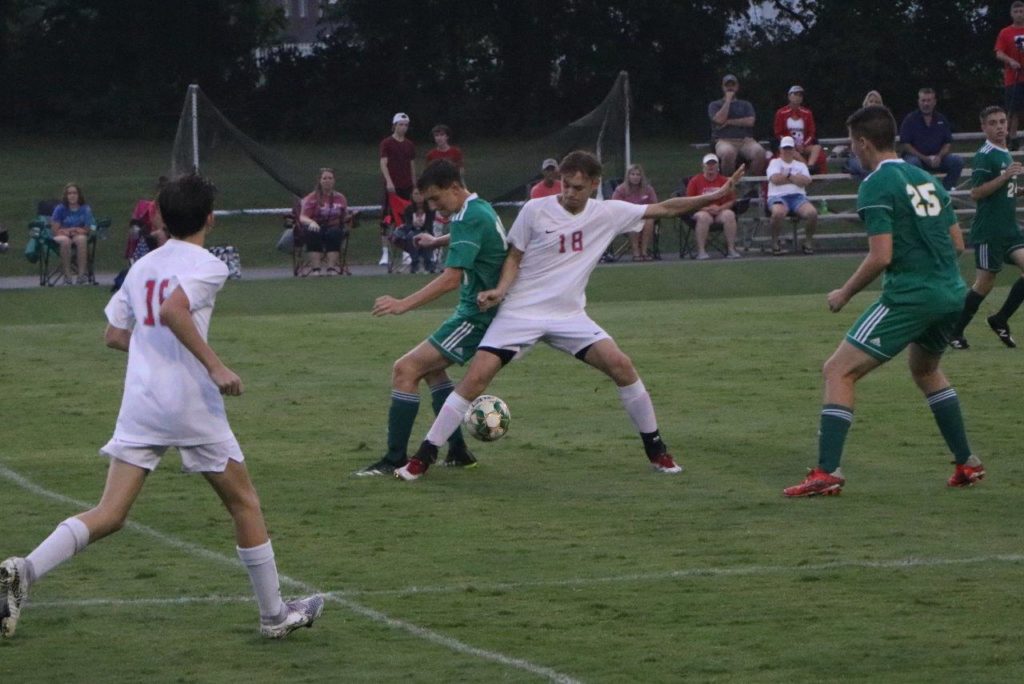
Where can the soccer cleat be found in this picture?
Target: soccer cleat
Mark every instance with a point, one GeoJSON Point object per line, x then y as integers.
{"type": "Point", "coordinates": [13, 592]}
{"type": "Point", "coordinates": [413, 470]}
{"type": "Point", "coordinates": [460, 458]}
{"type": "Point", "coordinates": [666, 464]}
{"type": "Point", "coordinates": [381, 467]}
{"type": "Point", "coordinates": [965, 475]}
{"type": "Point", "coordinates": [301, 613]}
{"type": "Point", "coordinates": [1002, 331]}
{"type": "Point", "coordinates": [817, 483]}
{"type": "Point", "coordinates": [959, 343]}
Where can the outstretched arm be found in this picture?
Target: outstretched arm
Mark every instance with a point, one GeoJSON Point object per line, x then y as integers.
{"type": "Point", "coordinates": [677, 206]}
{"type": "Point", "coordinates": [489, 299]}
{"type": "Point", "coordinates": [176, 314]}
{"type": "Point", "coordinates": [449, 280]}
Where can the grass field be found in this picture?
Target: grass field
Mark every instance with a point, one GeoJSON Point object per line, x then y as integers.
{"type": "Point", "coordinates": [562, 557]}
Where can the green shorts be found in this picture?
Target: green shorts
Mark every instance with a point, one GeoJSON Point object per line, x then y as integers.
{"type": "Point", "coordinates": [883, 333]}
{"type": "Point", "coordinates": [459, 336]}
{"type": "Point", "coordinates": [992, 254]}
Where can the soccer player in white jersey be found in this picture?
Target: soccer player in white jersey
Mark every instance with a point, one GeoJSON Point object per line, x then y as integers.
{"type": "Point", "coordinates": [554, 245]}
{"type": "Point", "coordinates": [172, 397]}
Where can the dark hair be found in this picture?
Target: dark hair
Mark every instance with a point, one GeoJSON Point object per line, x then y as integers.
{"type": "Point", "coordinates": [874, 124]}
{"type": "Point", "coordinates": [441, 174]}
{"type": "Point", "coordinates": [580, 161]}
{"type": "Point", "coordinates": [64, 194]}
{"type": "Point", "coordinates": [441, 128]}
{"type": "Point", "coordinates": [993, 109]}
{"type": "Point", "coordinates": [1016, 4]}
{"type": "Point", "coordinates": [185, 203]}
{"type": "Point", "coordinates": [926, 91]}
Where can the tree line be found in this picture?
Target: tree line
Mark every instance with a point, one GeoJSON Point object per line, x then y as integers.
{"type": "Point", "coordinates": [490, 67]}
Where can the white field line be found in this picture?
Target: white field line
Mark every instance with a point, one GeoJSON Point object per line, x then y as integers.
{"type": "Point", "coordinates": [367, 612]}
{"type": "Point", "coordinates": [693, 573]}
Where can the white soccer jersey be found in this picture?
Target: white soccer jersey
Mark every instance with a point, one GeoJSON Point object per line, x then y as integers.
{"type": "Point", "coordinates": [560, 250]}
{"type": "Point", "coordinates": [169, 398]}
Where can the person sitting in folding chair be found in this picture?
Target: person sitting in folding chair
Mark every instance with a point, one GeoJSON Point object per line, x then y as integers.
{"type": "Point", "coordinates": [71, 224]}
{"type": "Point", "coordinates": [720, 214]}
{"type": "Point", "coordinates": [788, 178]}
{"type": "Point", "coordinates": [324, 215]}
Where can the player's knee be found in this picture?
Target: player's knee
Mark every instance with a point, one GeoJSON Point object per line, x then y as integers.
{"type": "Point", "coordinates": [620, 368]}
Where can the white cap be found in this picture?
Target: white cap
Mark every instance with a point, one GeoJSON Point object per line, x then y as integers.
{"type": "Point", "coordinates": [400, 117]}
{"type": "Point", "coordinates": [547, 163]}
{"type": "Point", "coordinates": [709, 157]}
{"type": "Point", "coordinates": [787, 141]}
{"type": "Point", "coordinates": [795, 89]}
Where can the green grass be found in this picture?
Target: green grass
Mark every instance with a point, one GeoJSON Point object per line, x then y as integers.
{"type": "Point", "coordinates": [561, 550]}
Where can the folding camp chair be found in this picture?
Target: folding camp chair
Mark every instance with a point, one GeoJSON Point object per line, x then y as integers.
{"type": "Point", "coordinates": [392, 219]}
{"type": "Point", "coordinates": [42, 247]}
{"type": "Point", "coordinates": [716, 237]}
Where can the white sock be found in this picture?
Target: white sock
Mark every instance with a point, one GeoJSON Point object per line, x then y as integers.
{"type": "Point", "coordinates": [638, 405]}
{"type": "Point", "coordinates": [70, 537]}
{"type": "Point", "coordinates": [259, 561]}
{"type": "Point", "coordinates": [448, 420]}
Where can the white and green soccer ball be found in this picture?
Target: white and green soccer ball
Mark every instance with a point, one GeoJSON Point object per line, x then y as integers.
{"type": "Point", "coordinates": [487, 418]}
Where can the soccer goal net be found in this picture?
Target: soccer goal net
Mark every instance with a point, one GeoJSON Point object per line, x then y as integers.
{"type": "Point", "coordinates": [207, 141]}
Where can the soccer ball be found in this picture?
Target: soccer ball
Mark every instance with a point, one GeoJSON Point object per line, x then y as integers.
{"type": "Point", "coordinates": [487, 418]}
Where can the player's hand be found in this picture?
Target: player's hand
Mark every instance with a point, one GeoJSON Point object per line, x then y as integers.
{"type": "Point", "coordinates": [386, 305]}
{"type": "Point", "coordinates": [1014, 169]}
{"type": "Point", "coordinates": [425, 240]}
{"type": "Point", "coordinates": [488, 299]}
{"type": "Point", "coordinates": [837, 299]}
{"type": "Point", "coordinates": [313, 227]}
{"type": "Point", "coordinates": [227, 381]}
{"type": "Point", "coordinates": [390, 186]}
{"type": "Point", "coordinates": [733, 179]}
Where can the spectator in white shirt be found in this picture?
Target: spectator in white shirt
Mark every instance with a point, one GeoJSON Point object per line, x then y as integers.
{"type": "Point", "coordinates": [788, 178]}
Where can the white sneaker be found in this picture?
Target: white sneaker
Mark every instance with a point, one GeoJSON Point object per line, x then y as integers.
{"type": "Point", "coordinates": [384, 260]}
{"type": "Point", "coordinates": [733, 255]}
{"type": "Point", "coordinates": [13, 592]}
{"type": "Point", "coordinates": [301, 613]}
{"type": "Point", "coordinates": [703, 256]}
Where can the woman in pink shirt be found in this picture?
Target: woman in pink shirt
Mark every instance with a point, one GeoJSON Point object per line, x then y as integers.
{"type": "Point", "coordinates": [324, 213]}
{"type": "Point", "coordinates": [636, 190]}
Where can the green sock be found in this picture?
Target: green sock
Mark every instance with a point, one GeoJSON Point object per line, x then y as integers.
{"type": "Point", "coordinates": [835, 423]}
{"type": "Point", "coordinates": [438, 393]}
{"type": "Point", "coordinates": [401, 418]}
{"type": "Point", "coordinates": [945, 406]}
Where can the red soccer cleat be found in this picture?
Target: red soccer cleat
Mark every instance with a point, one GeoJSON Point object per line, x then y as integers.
{"type": "Point", "coordinates": [817, 483]}
{"type": "Point", "coordinates": [666, 464]}
{"type": "Point", "coordinates": [965, 475]}
{"type": "Point", "coordinates": [413, 470]}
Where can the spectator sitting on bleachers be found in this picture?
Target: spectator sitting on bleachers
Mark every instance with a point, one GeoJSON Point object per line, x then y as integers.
{"type": "Point", "coordinates": [797, 122]}
{"type": "Point", "coordinates": [732, 130]}
{"type": "Point", "coordinates": [927, 137]}
{"type": "Point", "coordinates": [550, 183]}
{"type": "Point", "coordinates": [788, 178]}
{"type": "Point", "coordinates": [853, 165]}
{"type": "Point", "coordinates": [637, 190]}
{"type": "Point", "coordinates": [71, 223]}
{"type": "Point", "coordinates": [705, 183]}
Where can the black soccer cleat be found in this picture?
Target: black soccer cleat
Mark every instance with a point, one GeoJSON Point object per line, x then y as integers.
{"type": "Point", "coordinates": [460, 458]}
{"type": "Point", "coordinates": [959, 343]}
{"type": "Point", "coordinates": [1002, 331]}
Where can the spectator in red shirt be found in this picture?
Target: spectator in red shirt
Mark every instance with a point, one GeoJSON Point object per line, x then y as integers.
{"type": "Point", "coordinates": [721, 213]}
{"type": "Point", "coordinates": [1010, 51]}
{"type": "Point", "coordinates": [398, 167]}
{"type": "Point", "coordinates": [445, 150]}
{"type": "Point", "coordinates": [550, 183]}
{"type": "Point", "coordinates": [324, 214]}
{"type": "Point", "coordinates": [797, 122]}
{"type": "Point", "coordinates": [637, 190]}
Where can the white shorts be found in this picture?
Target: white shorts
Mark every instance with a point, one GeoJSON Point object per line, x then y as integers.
{"type": "Point", "coordinates": [571, 335]}
{"type": "Point", "coordinates": [201, 458]}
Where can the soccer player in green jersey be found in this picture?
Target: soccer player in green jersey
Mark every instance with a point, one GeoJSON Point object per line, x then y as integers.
{"type": "Point", "coordinates": [994, 233]}
{"type": "Point", "coordinates": [476, 252]}
{"type": "Point", "coordinates": [914, 238]}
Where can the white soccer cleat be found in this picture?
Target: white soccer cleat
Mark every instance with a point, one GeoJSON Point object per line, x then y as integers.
{"type": "Point", "coordinates": [13, 592]}
{"type": "Point", "coordinates": [301, 613]}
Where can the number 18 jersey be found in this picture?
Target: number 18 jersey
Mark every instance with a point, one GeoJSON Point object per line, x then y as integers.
{"type": "Point", "coordinates": [560, 250]}
{"type": "Point", "coordinates": [169, 398]}
{"type": "Point", "coordinates": [910, 204]}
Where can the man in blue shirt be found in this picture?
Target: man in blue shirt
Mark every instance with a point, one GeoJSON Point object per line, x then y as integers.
{"type": "Point", "coordinates": [927, 137]}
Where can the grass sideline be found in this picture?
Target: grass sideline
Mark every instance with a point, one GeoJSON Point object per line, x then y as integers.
{"type": "Point", "coordinates": [561, 549]}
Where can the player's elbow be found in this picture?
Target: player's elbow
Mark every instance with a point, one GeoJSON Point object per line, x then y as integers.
{"type": "Point", "coordinates": [116, 338]}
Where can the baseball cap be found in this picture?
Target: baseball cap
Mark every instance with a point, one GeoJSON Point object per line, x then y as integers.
{"type": "Point", "coordinates": [795, 89]}
{"type": "Point", "coordinates": [709, 157]}
{"type": "Point", "coordinates": [729, 77]}
{"type": "Point", "coordinates": [787, 141]}
{"type": "Point", "coordinates": [548, 163]}
{"type": "Point", "coordinates": [400, 117]}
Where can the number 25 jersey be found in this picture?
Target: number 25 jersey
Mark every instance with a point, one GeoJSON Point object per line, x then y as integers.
{"type": "Point", "coordinates": [169, 398]}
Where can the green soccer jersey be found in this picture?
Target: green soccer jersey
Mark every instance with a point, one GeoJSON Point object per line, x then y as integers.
{"type": "Point", "coordinates": [914, 208]}
{"type": "Point", "coordinates": [478, 247]}
{"type": "Point", "coordinates": [996, 213]}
